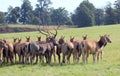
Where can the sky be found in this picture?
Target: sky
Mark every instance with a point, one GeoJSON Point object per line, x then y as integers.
{"type": "Point", "coordinates": [70, 5]}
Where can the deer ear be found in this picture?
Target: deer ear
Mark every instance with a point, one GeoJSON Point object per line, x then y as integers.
{"type": "Point", "coordinates": [20, 39]}
{"type": "Point", "coordinates": [105, 35]}
{"type": "Point", "coordinates": [82, 36]}
{"type": "Point", "coordinates": [73, 37]}
{"type": "Point", "coordinates": [100, 36]}
{"type": "Point", "coordinates": [63, 37]}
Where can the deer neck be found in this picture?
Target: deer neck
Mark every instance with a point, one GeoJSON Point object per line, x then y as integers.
{"type": "Point", "coordinates": [101, 44]}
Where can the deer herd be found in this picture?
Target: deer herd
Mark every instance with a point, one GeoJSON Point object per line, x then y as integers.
{"type": "Point", "coordinates": [32, 51]}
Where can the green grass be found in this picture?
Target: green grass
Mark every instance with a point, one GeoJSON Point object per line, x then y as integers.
{"type": "Point", "coordinates": [108, 66]}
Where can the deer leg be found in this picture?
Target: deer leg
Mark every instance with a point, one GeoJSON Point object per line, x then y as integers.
{"type": "Point", "coordinates": [46, 57]}
{"type": "Point", "coordinates": [19, 58]}
{"type": "Point", "coordinates": [74, 57]}
{"type": "Point", "coordinates": [7, 56]}
{"type": "Point", "coordinates": [68, 57]}
{"type": "Point", "coordinates": [83, 56]}
{"type": "Point", "coordinates": [87, 55]}
{"type": "Point", "coordinates": [59, 57]}
{"type": "Point", "coordinates": [15, 57]}
{"type": "Point", "coordinates": [23, 58]}
{"type": "Point", "coordinates": [36, 58]}
{"type": "Point", "coordinates": [79, 55]}
{"type": "Point", "coordinates": [54, 54]}
{"type": "Point", "coordinates": [58, 54]}
{"type": "Point", "coordinates": [63, 60]}
{"type": "Point", "coordinates": [4, 56]}
{"type": "Point", "coordinates": [42, 58]}
{"type": "Point", "coordinates": [32, 58]}
{"type": "Point", "coordinates": [101, 55]}
{"type": "Point", "coordinates": [94, 58]}
{"type": "Point", "coordinates": [28, 58]}
{"type": "Point", "coordinates": [11, 57]}
{"type": "Point", "coordinates": [98, 55]}
{"type": "Point", "coordinates": [50, 55]}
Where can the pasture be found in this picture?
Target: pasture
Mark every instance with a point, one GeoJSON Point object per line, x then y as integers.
{"type": "Point", "coordinates": [108, 66]}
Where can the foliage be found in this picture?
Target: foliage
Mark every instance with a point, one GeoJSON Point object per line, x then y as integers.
{"type": "Point", "coordinates": [117, 10]}
{"type": "Point", "coordinates": [60, 16]}
{"type": "Point", "coordinates": [84, 14]}
{"type": "Point", "coordinates": [43, 14]}
{"type": "Point", "coordinates": [99, 16]}
{"type": "Point", "coordinates": [2, 18]}
{"type": "Point", "coordinates": [13, 15]}
{"type": "Point", "coordinates": [43, 11]}
{"type": "Point", "coordinates": [110, 15]}
{"type": "Point", "coordinates": [26, 12]}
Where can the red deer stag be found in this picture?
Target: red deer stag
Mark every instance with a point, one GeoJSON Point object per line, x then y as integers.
{"type": "Point", "coordinates": [50, 44]}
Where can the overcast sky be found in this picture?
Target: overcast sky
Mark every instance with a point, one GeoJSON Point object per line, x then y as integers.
{"type": "Point", "coordinates": [70, 5]}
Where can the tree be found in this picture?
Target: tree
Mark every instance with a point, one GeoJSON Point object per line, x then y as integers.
{"type": "Point", "coordinates": [13, 15]}
{"type": "Point", "coordinates": [2, 18]}
{"type": "Point", "coordinates": [110, 15]}
{"type": "Point", "coordinates": [35, 21]}
{"type": "Point", "coordinates": [99, 16]}
{"type": "Point", "coordinates": [117, 10]}
{"type": "Point", "coordinates": [43, 11]}
{"type": "Point", "coordinates": [60, 16]}
{"type": "Point", "coordinates": [84, 14]}
{"type": "Point", "coordinates": [26, 12]}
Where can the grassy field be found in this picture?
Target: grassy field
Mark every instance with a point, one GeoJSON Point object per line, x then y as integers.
{"type": "Point", "coordinates": [108, 66]}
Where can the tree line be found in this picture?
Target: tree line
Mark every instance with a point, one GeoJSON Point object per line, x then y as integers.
{"type": "Point", "coordinates": [84, 15]}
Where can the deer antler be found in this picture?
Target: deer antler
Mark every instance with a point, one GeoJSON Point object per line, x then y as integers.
{"type": "Point", "coordinates": [47, 32]}
{"type": "Point", "coordinates": [54, 35]}
{"type": "Point", "coordinates": [42, 31]}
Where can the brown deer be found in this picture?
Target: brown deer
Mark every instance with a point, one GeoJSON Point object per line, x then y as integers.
{"type": "Point", "coordinates": [19, 49]}
{"type": "Point", "coordinates": [9, 51]}
{"type": "Point", "coordinates": [66, 48]}
{"type": "Point", "coordinates": [16, 48]}
{"type": "Point", "coordinates": [50, 44]}
{"type": "Point", "coordinates": [42, 48]}
{"type": "Point", "coordinates": [2, 47]}
{"type": "Point", "coordinates": [85, 37]}
{"type": "Point", "coordinates": [93, 47]}
{"type": "Point", "coordinates": [76, 49]}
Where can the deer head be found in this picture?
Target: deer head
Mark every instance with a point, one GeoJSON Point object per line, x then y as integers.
{"type": "Point", "coordinates": [39, 38]}
{"type": "Point", "coordinates": [28, 39]}
{"type": "Point", "coordinates": [84, 37]}
{"type": "Point", "coordinates": [71, 39]}
{"type": "Point", "coordinates": [14, 39]}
